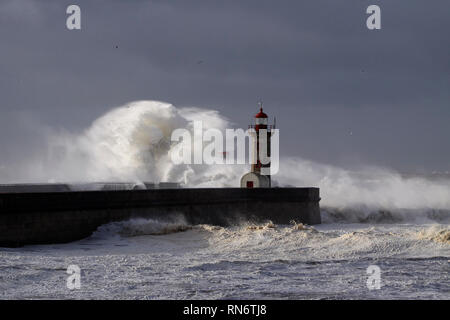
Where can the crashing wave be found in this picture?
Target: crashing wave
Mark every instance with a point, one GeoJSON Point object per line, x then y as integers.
{"type": "Point", "coordinates": [436, 233]}
{"type": "Point", "coordinates": [132, 143]}
{"type": "Point", "coordinates": [141, 227]}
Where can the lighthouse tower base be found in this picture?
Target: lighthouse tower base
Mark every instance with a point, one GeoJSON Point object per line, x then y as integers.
{"type": "Point", "coordinates": [255, 180]}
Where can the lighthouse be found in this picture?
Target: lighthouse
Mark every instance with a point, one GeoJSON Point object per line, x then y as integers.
{"type": "Point", "coordinates": [260, 132]}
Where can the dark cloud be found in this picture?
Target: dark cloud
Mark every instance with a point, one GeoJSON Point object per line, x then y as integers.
{"type": "Point", "coordinates": [342, 94]}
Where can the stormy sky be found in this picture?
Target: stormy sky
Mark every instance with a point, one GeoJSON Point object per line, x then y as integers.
{"type": "Point", "coordinates": [342, 94]}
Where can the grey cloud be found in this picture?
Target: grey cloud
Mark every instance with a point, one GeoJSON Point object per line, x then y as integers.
{"type": "Point", "coordinates": [314, 63]}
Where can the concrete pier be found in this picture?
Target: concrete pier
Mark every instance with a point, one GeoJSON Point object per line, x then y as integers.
{"type": "Point", "coordinates": [58, 217]}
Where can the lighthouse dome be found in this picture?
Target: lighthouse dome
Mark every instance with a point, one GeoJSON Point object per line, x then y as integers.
{"type": "Point", "coordinates": [261, 114]}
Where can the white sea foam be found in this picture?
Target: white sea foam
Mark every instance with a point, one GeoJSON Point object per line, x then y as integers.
{"type": "Point", "coordinates": [151, 259]}
{"type": "Point", "coordinates": [131, 143]}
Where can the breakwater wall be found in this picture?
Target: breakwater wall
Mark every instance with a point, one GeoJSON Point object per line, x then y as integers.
{"type": "Point", "coordinates": [58, 217]}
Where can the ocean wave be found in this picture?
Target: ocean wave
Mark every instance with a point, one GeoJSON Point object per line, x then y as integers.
{"type": "Point", "coordinates": [363, 214]}
{"type": "Point", "coordinates": [132, 143]}
{"type": "Point", "coordinates": [435, 233]}
{"type": "Point", "coordinates": [141, 227]}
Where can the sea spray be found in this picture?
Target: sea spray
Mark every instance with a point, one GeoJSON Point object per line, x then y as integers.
{"type": "Point", "coordinates": [131, 143]}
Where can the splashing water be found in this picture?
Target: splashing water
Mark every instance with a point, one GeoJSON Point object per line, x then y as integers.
{"type": "Point", "coordinates": [132, 143]}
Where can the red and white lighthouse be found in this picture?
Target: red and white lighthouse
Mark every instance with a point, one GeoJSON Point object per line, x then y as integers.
{"type": "Point", "coordinates": [261, 131]}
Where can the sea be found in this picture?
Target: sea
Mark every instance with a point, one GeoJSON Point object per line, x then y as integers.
{"type": "Point", "coordinates": [150, 259]}
{"type": "Point", "coordinates": [384, 234]}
